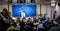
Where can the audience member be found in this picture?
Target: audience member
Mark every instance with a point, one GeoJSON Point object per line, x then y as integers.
{"type": "Point", "coordinates": [55, 28]}
{"type": "Point", "coordinates": [4, 23]}
{"type": "Point", "coordinates": [55, 15]}
{"type": "Point", "coordinates": [44, 23]}
{"type": "Point", "coordinates": [35, 20]}
{"type": "Point", "coordinates": [39, 19]}
{"type": "Point", "coordinates": [40, 27]}
{"type": "Point", "coordinates": [29, 25]}
{"type": "Point", "coordinates": [22, 24]}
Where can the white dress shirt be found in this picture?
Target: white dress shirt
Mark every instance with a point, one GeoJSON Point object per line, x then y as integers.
{"type": "Point", "coordinates": [22, 14]}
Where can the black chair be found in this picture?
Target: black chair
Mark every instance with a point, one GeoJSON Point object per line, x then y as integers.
{"type": "Point", "coordinates": [41, 29]}
{"type": "Point", "coordinates": [14, 30]}
{"type": "Point", "coordinates": [22, 24]}
{"type": "Point", "coordinates": [28, 28]}
{"type": "Point", "coordinates": [3, 25]}
{"type": "Point", "coordinates": [56, 28]}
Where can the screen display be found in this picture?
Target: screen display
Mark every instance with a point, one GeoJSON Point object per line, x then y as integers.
{"type": "Point", "coordinates": [30, 10]}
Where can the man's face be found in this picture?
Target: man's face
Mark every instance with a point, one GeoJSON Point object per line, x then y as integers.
{"type": "Point", "coordinates": [22, 10]}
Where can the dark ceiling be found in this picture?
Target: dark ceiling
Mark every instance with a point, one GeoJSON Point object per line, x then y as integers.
{"type": "Point", "coordinates": [40, 1]}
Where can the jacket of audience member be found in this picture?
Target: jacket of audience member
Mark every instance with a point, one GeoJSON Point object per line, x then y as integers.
{"type": "Point", "coordinates": [3, 25]}
{"type": "Point", "coordinates": [56, 28]}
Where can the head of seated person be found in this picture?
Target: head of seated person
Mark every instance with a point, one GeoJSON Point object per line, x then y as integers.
{"type": "Point", "coordinates": [43, 18]}
{"type": "Point", "coordinates": [23, 19]}
{"type": "Point", "coordinates": [58, 18]}
{"type": "Point", "coordinates": [28, 21]}
{"type": "Point", "coordinates": [4, 10]}
{"type": "Point", "coordinates": [39, 18]}
{"type": "Point", "coordinates": [47, 19]}
{"type": "Point", "coordinates": [35, 20]}
{"type": "Point", "coordinates": [18, 20]}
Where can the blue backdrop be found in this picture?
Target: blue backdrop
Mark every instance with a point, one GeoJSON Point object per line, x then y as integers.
{"type": "Point", "coordinates": [30, 10]}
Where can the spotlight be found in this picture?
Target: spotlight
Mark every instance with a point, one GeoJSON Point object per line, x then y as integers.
{"type": "Point", "coordinates": [52, 2]}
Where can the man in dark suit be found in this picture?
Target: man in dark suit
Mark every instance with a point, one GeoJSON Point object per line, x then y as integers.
{"type": "Point", "coordinates": [54, 15]}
